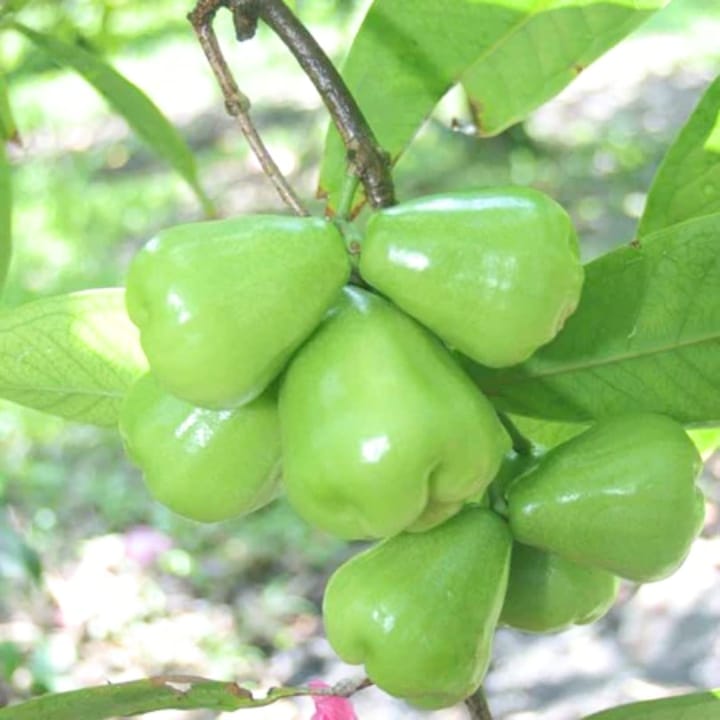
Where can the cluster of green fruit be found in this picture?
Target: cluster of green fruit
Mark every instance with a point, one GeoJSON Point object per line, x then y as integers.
{"type": "Point", "coordinates": [270, 371]}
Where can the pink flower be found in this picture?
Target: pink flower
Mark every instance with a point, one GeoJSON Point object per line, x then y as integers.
{"type": "Point", "coordinates": [331, 707]}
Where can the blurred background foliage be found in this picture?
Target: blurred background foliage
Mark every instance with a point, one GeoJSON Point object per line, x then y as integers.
{"type": "Point", "coordinates": [96, 580]}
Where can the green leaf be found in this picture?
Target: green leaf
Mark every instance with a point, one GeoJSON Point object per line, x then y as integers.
{"type": "Point", "coordinates": [546, 433]}
{"type": "Point", "coordinates": [543, 54]}
{"type": "Point", "coordinates": [409, 53]}
{"type": "Point", "coordinates": [687, 184]}
{"type": "Point", "coordinates": [646, 337]}
{"type": "Point", "coordinates": [72, 355]}
{"type": "Point", "coordinates": [697, 706]}
{"type": "Point", "coordinates": [707, 440]}
{"type": "Point", "coordinates": [6, 203]}
{"type": "Point", "coordinates": [141, 114]}
{"type": "Point", "coordinates": [8, 128]}
{"type": "Point", "coordinates": [170, 692]}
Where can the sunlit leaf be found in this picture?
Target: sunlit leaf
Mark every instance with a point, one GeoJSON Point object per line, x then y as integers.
{"type": "Point", "coordinates": [141, 114]}
{"type": "Point", "coordinates": [6, 204]}
{"type": "Point", "coordinates": [8, 128]}
{"type": "Point", "coordinates": [168, 692]}
{"type": "Point", "coordinates": [687, 184]}
{"type": "Point", "coordinates": [513, 54]}
{"type": "Point", "coordinates": [547, 433]}
{"type": "Point", "coordinates": [707, 440]}
{"type": "Point", "coordinates": [545, 53]}
{"type": "Point", "coordinates": [646, 337]}
{"type": "Point", "coordinates": [697, 706]}
{"type": "Point", "coordinates": [72, 355]}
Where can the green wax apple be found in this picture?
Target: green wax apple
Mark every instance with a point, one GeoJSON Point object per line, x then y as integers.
{"type": "Point", "coordinates": [207, 465]}
{"type": "Point", "coordinates": [547, 593]}
{"type": "Point", "coordinates": [495, 273]}
{"type": "Point", "coordinates": [222, 305]}
{"type": "Point", "coordinates": [620, 496]}
{"type": "Point", "coordinates": [419, 610]}
{"type": "Point", "coordinates": [382, 430]}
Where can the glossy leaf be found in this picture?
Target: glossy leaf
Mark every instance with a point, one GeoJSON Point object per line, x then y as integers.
{"type": "Point", "coordinates": [167, 692]}
{"type": "Point", "coordinates": [646, 337]}
{"type": "Point", "coordinates": [141, 114]}
{"type": "Point", "coordinates": [409, 53]}
{"type": "Point", "coordinates": [72, 355]}
{"type": "Point", "coordinates": [687, 184]}
{"type": "Point", "coordinates": [543, 54]}
{"type": "Point", "coordinates": [8, 128]}
{"type": "Point", "coordinates": [697, 706]}
{"type": "Point", "coordinates": [6, 204]}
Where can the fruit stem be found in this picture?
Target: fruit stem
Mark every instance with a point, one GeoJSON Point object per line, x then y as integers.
{"type": "Point", "coordinates": [365, 156]}
{"type": "Point", "coordinates": [477, 706]}
{"type": "Point", "coordinates": [353, 244]}
{"type": "Point", "coordinates": [347, 193]}
{"type": "Point", "coordinates": [521, 444]}
{"type": "Point", "coordinates": [237, 103]}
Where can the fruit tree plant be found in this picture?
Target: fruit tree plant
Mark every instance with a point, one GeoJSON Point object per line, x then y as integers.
{"type": "Point", "coordinates": [378, 364]}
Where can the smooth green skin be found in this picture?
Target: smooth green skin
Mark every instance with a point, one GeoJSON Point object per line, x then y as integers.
{"type": "Point", "coordinates": [620, 496]}
{"type": "Point", "coordinates": [547, 593]}
{"type": "Point", "coordinates": [222, 305]}
{"type": "Point", "coordinates": [381, 429]}
{"type": "Point", "coordinates": [420, 610]}
{"type": "Point", "coordinates": [207, 465]}
{"type": "Point", "coordinates": [495, 273]}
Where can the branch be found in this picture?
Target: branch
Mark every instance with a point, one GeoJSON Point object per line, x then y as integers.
{"type": "Point", "coordinates": [163, 692]}
{"type": "Point", "coordinates": [477, 706]}
{"type": "Point", "coordinates": [236, 103]}
{"type": "Point", "coordinates": [365, 155]}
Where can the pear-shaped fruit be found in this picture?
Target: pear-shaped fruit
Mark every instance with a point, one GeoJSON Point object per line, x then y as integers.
{"type": "Point", "coordinates": [207, 465]}
{"type": "Point", "coordinates": [381, 429]}
{"type": "Point", "coordinates": [620, 496]}
{"type": "Point", "coordinates": [547, 593]}
{"type": "Point", "coordinates": [495, 273]}
{"type": "Point", "coordinates": [221, 306]}
{"type": "Point", "coordinates": [420, 609]}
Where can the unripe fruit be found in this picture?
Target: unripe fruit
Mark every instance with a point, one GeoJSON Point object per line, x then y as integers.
{"type": "Point", "coordinates": [207, 465]}
{"type": "Point", "coordinates": [419, 610]}
{"type": "Point", "coordinates": [495, 273]}
{"type": "Point", "coordinates": [382, 431]}
{"type": "Point", "coordinates": [547, 593]}
{"type": "Point", "coordinates": [620, 496]}
{"type": "Point", "coordinates": [221, 306]}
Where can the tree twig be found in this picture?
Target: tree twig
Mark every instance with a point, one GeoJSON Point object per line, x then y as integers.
{"type": "Point", "coordinates": [236, 103]}
{"type": "Point", "coordinates": [477, 706]}
{"type": "Point", "coordinates": [365, 155]}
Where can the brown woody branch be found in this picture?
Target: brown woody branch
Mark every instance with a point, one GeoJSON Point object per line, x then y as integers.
{"type": "Point", "coordinates": [365, 156]}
